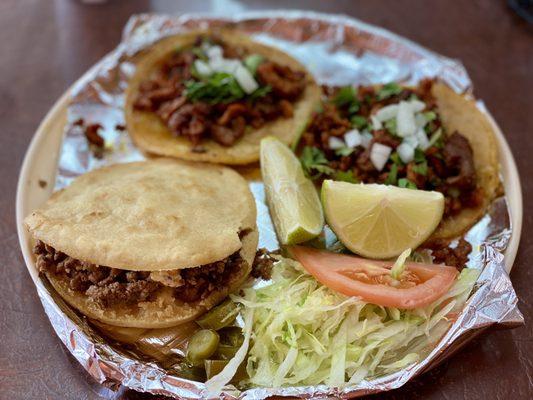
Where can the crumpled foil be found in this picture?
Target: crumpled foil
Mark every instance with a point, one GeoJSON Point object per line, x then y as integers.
{"type": "Point", "coordinates": [337, 50]}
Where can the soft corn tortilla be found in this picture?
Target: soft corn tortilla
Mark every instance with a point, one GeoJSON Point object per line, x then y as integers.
{"type": "Point", "coordinates": [147, 216]}
{"type": "Point", "coordinates": [165, 310]}
{"type": "Point", "coordinates": [460, 113]}
{"type": "Point", "coordinates": [152, 136]}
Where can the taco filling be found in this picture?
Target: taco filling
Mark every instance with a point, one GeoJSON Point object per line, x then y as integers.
{"type": "Point", "coordinates": [212, 90]}
{"type": "Point", "coordinates": [390, 135]}
{"type": "Point", "coordinates": [110, 287]}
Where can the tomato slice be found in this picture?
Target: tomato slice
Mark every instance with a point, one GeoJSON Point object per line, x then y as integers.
{"type": "Point", "coordinates": [419, 286]}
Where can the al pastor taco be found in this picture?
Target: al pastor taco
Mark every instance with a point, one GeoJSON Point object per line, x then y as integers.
{"type": "Point", "coordinates": [207, 96]}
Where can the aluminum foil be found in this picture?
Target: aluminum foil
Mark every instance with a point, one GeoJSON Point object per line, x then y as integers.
{"type": "Point", "coordinates": [337, 50]}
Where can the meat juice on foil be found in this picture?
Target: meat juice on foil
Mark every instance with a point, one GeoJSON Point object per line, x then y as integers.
{"type": "Point", "coordinates": [337, 50]}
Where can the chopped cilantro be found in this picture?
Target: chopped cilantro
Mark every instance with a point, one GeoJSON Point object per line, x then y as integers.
{"type": "Point", "coordinates": [344, 151]}
{"type": "Point", "coordinates": [390, 125]}
{"type": "Point", "coordinates": [260, 92]}
{"type": "Point", "coordinates": [219, 88]}
{"type": "Point", "coordinates": [421, 168]}
{"type": "Point", "coordinates": [406, 183]}
{"type": "Point", "coordinates": [388, 90]}
{"type": "Point", "coordinates": [252, 62]}
{"type": "Point", "coordinates": [392, 176]}
{"type": "Point", "coordinates": [314, 162]}
{"type": "Point", "coordinates": [419, 156]}
{"type": "Point", "coordinates": [200, 53]}
{"type": "Point", "coordinates": [346, 97]}
{"type": "Point", "coordinates": [429, 116]}
{"type": "Point", "coordinates": [345, 176]}
{"type": "Point", "coordinates": [359, 122]}
{"type": "Point", "coordinates": [395, 157]}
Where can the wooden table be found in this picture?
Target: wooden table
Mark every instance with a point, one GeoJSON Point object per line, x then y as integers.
{"type": "Point", "coordinates": [47, 45]}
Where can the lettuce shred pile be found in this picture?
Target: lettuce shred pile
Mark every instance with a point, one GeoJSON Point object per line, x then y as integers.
{"type": "Point", "coordinates": [303, 333]}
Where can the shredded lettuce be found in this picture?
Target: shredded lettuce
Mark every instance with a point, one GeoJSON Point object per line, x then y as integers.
{"type": "Point", "coordinates": [303, 333]}
{"type": "Point", "coordinates": [399, 265]}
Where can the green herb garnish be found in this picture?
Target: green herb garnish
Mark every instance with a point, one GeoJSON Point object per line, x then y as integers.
{"type": "Point", "coordinates": [421, 169]}
{"type": "Point", "coordinates": [260, 92]}
{"type": "Point", "coordinates": [314, 162]}
{"type": "Point", "coordinates": [359, 122]}
{"type": "Point", "coordinates": [200, 53]}
{"type": "Point", "coordinates": [220, 87]}
{"type": "Point", "coordinates": [429, 116]}
{"type": "Point", "coordinates": [390, 125]}
{"type": "Point", "coordinates": [392, 176]}
{"type": "Point", "coordinates": [406, 183]}
{"type": "Point", "coordinates": [395, 157]}
{"type": "Point", "coordinates": [344, 151]}
{"type": "Point", "coordinates": [419, 156]}
{"type": "Point", "coordinates": [388, 90]}
{"type": "Point", "coordinates": [252, 62]}
{"type": "Point", "coordinates": [345, 176]}
{"type": "Point", "coordinates": [346, 97]}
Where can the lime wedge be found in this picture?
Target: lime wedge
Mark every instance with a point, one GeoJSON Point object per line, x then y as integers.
{"type": "Point", "coordinates": [379, 221]}
{"type": "Point", "coordinates": [292, 198]}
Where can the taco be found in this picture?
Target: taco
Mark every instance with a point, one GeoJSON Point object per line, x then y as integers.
{"type": "Point", "coordinates": [147, 244]}
{"type": "Point", "coordinates": [426, 137]}
{"type": "Point", "coordinates": [211, 96]}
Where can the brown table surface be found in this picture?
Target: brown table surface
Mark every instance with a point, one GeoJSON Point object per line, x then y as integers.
{"type": "Point", "coordinates": [46, 45]}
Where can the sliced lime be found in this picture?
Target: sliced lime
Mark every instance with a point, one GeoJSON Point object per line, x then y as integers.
{"type": "Point", "coordinates": [292, 198]}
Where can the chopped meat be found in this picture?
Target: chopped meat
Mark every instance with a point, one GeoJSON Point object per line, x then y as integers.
{"type": "Point", "coordinates": [232, 111]}
{"type": "Point", "coordinates": [227, 136]}
{"type": "Point", "coordinates": [285, 82]}
{"type": "Point", "coordinates": [110, 286]}
{"type": "Point", "coordinates": [381, 136]}
{"type": "Point", "coordinates": [456, 256]}
{"type": "Point", "coordinates": [190, 121]}
{"type": "Point", "coordinates": [92, 135]}
{"type": "Point", "coordinates": [262, 266]}
{"type": "Point", "coordinates": [460, 162]}
{"type": "Point", "coordinates": [118, 293]}
{"type": "Point", "coordinates": [199, 282]}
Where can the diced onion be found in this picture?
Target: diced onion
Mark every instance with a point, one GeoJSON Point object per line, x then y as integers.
{"type": "Point", "coordinates": [353, 138]}
{"type": "Point", "coordinates": [366, 138]}
{"type": "Point", "coordinates": [335, 143]}
{"type": "Point", "coordinates": [214, 52]}
{"type": "Point", "coordinates": [379, 154]}
{"type": "Point", "coordinates": [387, 112]}
{"type": "Point", "coordinates": [406, 152]}
{"type": "Point", "coordinates": [376, 123]}
{"type": "Point", "coordinates": [202, 68]}
{"type": "Point", "coordinates": [420, 120]}
{"type": "Point", "coordinates": [224, 65]}
{"type": "Point", "coordinates": [411, 141]}
{"type": "Point", "coordinates": [405, 120]}
{"type": "Point", "coordinates": [245, 79]}
{"type": "Point", "coordinates": [417, 105]}
{"type": "Point", "coordinates": [423, 142]}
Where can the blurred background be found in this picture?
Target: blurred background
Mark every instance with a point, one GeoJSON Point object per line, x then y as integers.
{"type": "Point", "coordinates": [46, 45]}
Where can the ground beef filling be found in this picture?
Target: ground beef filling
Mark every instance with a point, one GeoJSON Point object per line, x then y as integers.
{"type": "Point", "coordinates": [448, 165]}
{"type": "Point", "coordinates": [111, 287]}
{"type": "Point", "coordinates": [165, 94]}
